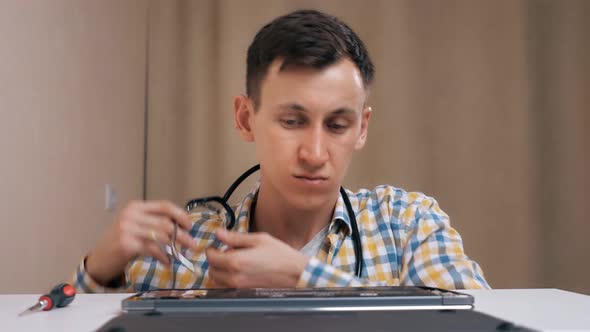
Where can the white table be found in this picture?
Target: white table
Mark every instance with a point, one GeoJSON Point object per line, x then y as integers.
{"type": "Point", "coordinates": [542, 309]}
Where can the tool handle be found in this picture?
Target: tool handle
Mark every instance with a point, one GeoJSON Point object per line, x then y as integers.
{"type": "Point", "coordinates": [62, 295]}
{"type": "Point", "coordinates": [46, 302]}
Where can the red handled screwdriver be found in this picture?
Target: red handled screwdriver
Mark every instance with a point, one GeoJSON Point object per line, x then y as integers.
{"type": "Point", "coordinates": [60, 296]}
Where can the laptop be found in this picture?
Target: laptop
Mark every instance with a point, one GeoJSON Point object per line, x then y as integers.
{"type": "Point", "coordinates": [366, 309]}
{"type": "Point", "coordinates": [297, 299]}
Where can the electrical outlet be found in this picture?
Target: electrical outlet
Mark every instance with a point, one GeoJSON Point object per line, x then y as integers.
{"type": "Point", "coordinates": [110, 197]}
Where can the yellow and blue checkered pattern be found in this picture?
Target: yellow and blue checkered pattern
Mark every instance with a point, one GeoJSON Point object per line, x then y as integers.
{"type": "Point", "coordinates": [406, 240]}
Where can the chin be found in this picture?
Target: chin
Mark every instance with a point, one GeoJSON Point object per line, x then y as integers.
{"type": "Point", "coordinates": [309, 200]}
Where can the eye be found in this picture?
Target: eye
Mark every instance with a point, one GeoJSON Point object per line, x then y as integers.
{"type": "Point", "coordinates": [337, 126]}
{"type": "Point", "coordinates": [290, 123]}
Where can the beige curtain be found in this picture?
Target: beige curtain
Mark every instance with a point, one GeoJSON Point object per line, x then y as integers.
{"type": "Point", "coordinates": [482, 104]}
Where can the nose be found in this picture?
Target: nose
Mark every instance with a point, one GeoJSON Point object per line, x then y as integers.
{"type": "Point", "coordinates": [313, 151]}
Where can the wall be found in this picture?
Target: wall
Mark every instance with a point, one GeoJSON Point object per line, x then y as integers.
{"type": "Point", "coordinates": [72, 96]}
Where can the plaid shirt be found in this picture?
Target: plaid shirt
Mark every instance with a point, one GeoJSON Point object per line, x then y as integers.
{"type": "Point", "coordinates": [406, 240]}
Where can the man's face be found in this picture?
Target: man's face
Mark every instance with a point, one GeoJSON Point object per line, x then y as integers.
{"type": "Point", "coordinates": [306, 128]}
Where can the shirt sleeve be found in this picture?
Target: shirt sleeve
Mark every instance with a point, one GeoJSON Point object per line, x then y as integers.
{"type": "Point", "coordinates": [320, 274]}
{"type": "Point", "coordinates": [432, 255]}
{"type": "Point", "coordinates": [84, 283]}
{"type": "Point", "coordinates": [433, 252]}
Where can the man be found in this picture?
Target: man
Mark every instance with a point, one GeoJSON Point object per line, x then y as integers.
{"type": "Point", "coordinates": [308, 77]}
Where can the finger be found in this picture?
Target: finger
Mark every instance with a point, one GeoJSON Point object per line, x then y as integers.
{"type": "Point", "coordinates": [142, 240]}
{"type": "Point", "coordinates": [155, 250]}
{"type": "Point", "coordinates": [185, 239]}
{"type": "Point", "coordinates": [221, 260]}
{"type": "Point", "coordinates": [168, 209]}
{"type": "Point", "coordinates": [236, 239]}
{"type": "Point", "coordinates": [149, 233]}
{"type": "Point", "coordinates": [151, 221]}
{"type": "Point", "coordinates": [165, 226]}
{"type": "Point", "coordinates": [221, 278]}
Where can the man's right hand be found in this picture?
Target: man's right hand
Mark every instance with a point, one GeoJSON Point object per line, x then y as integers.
{"type": "Point", "coordinates": [140, 230]}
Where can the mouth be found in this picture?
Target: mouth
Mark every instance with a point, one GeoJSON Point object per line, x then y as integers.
{"type": "Point", "coordinates": [312, 179]}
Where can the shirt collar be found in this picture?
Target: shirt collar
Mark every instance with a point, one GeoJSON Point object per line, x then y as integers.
{"type": "Point", "coordinates": [341, 216]}
{"type": "Point", "coordinates": [243, 212]}
{"type": "Point", "coordinates": [244, 208]}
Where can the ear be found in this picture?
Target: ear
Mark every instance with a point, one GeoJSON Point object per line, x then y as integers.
{"type": "Point", "coordinates": [243, 116]}
{"type": "Point", "coordinates": [360, 142]}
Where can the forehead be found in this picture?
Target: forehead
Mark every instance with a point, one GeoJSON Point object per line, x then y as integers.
{"type": "Point", "coordinates": [336, 86]}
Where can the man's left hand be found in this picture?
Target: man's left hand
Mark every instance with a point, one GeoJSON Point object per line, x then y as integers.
{"type": "Point", "coordinates": [254, 260]}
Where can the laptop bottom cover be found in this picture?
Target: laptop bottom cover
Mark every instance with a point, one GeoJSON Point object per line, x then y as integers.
{"type": "Point", "coordinates": [345, 321]}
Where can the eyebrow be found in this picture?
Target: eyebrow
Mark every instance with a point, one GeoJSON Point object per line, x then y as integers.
{"type": "Point", "coordinates": [299, 108]}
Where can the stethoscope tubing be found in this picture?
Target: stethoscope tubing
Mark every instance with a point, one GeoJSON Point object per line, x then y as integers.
{"type": "Point", "coordinates": [356, 238]}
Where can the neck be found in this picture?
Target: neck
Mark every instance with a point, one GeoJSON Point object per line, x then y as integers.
{"type": "Point", "coordinates": [296, 227]}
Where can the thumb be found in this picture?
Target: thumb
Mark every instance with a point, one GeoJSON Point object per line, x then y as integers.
{"type": "Point", "coordinates": [236, 239]}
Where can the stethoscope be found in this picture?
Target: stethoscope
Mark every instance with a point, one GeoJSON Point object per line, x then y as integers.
{"type": "Point", "coordinates": [356, 238]}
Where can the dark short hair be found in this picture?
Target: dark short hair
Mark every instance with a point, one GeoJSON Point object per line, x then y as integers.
{"type": "Point", "coordinates": [306, 38]}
